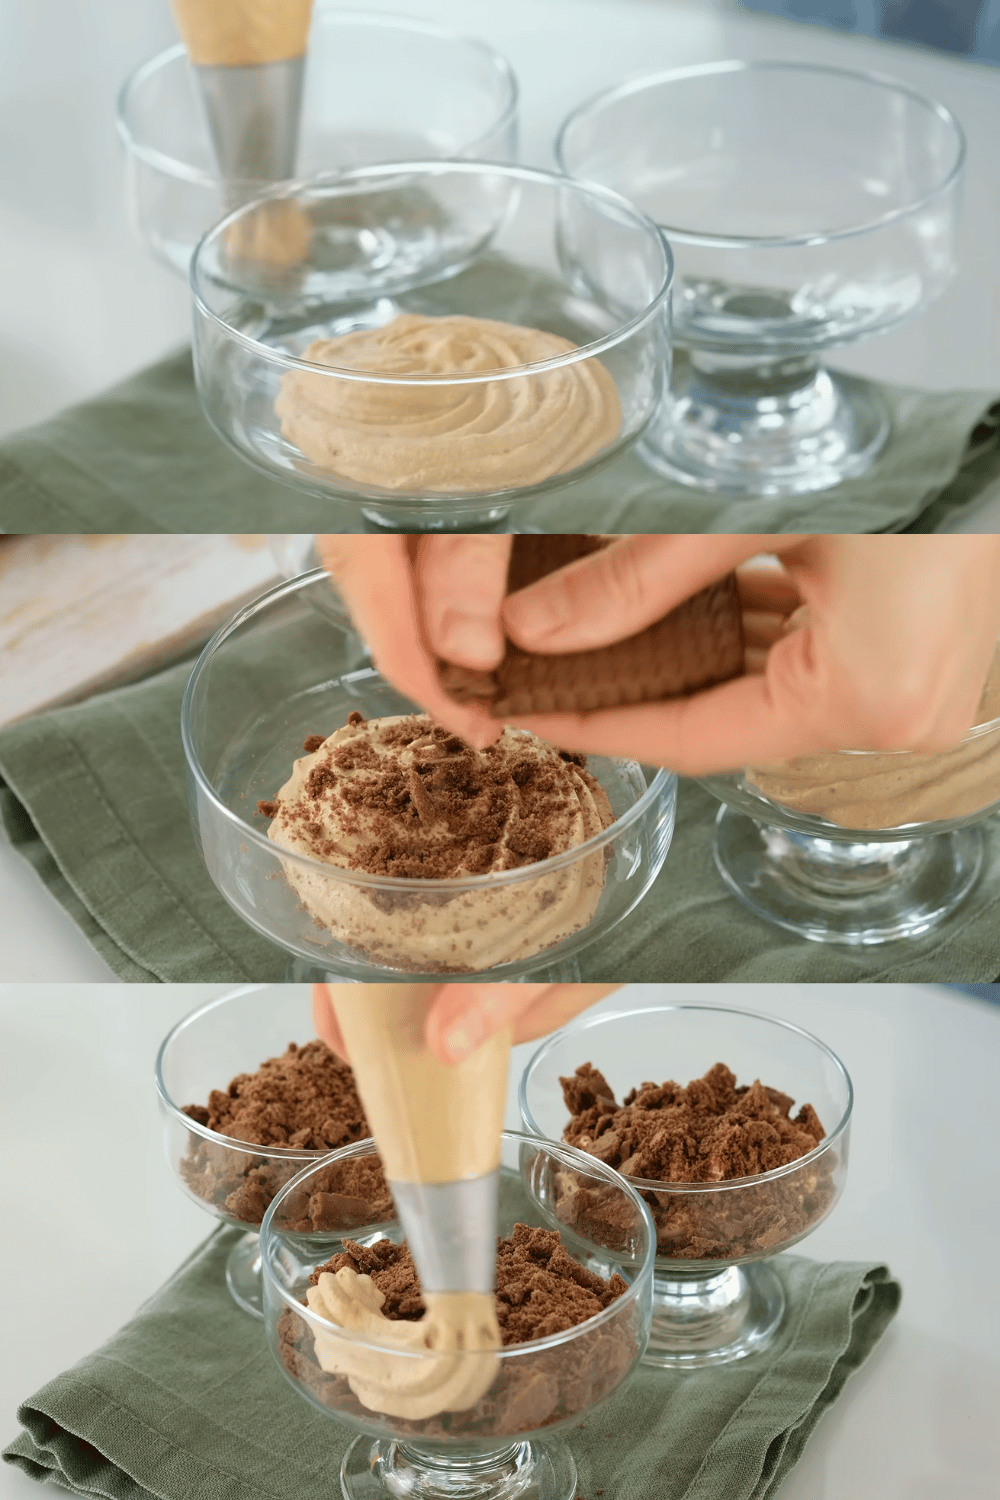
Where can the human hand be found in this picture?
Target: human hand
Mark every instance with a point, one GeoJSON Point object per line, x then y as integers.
{"type": "Point", "coordinates": [891, 652]}
{"type": "Point", "coordinates": [462, 1016]}
{"type": "Point", "coordinates": [414, 598]}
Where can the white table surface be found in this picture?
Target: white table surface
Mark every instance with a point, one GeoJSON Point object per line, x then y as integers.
{"type": "Point", "coordinates": [91, 1208]}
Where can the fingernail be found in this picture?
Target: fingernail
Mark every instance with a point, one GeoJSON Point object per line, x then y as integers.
{"type": "Point", "coordinates": [535, 613]}
{"type": "Point", "coordinates": [463, 1039]}
{"type": "Point", "coordinates": [471, 642]}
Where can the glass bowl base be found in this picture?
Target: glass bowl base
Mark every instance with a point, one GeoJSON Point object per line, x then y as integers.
{"type": "Point", "coordinates": [372, 1470]}
{"type": "Point", "coordinates": [243, 1275]}
{"type": "Point", "coordinates": [713, 1320]}
{"type": "Point", "coordinates": [737, 438]}
{"type": "Point", "coordinates": [378, 522]}
{"type": "Point", "coordinates": [302, 971]}
{"type": "Point", "coordinates": [859, 894]}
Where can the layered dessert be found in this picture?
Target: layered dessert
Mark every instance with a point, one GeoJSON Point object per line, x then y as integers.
{"type": "Point", "coordinates": [305, 1100]}
{"type": "Point", "coordinates": [541, 1290]}
{"type": "Point", "coordinates": [477, 438]}
{"type": "Point", "coordinates": [875, 790]}
{"type": "Point", "coordinates": [709, 1131]}
{"type": "Point", "coordinates": [403, 799]}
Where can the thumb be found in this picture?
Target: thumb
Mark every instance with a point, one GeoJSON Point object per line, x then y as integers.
{"type": "Point", "coordinates": [618, 591]}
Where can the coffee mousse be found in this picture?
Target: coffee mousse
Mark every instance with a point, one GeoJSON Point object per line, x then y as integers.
{"type": "Point", "coordinates": [483, 437]}
{"type": "Point", "coordinates": [869, 790]}
{"type": "Point", "coordinates": [405, 799]}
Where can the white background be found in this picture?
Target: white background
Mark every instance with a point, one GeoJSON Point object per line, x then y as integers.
{"type": "Point", "coordinates": [94, 1221]}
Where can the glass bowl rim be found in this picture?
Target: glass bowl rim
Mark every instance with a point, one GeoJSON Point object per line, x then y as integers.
{"type": "Point", "coordinates": [662, 781]}
{"type": "Point", "coordinates": [788, 65]}
{"type": "Point", "coordinates": [174, 1110]}
{"type": "Point", "coordinates": [436, 167]}
{"type": "Point", "coordinates": [729, 1184]}
{"type": "Point", "coordinates": [575, 1158]}
{"type": "Point", "coordinates": [173, 166]}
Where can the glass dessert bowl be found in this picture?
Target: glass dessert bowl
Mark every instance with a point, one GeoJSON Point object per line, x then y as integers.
{"type": "Point", "coordinates": [273, 679]}
{"type": "Point", "coordinates": [518, 1399]}
{"type": "Point", "coordinates": [716, 1295]}
{"type": "Point", "coordinates": [432, 342]}
{"type": "Point", "coordinates": [862, 847]}
{"type": "Point", "coordinates": [236, 1179]}
{"type": "Point", "coordinates": [808, 208]}
{"type": "Point", "coordinates": [377, 88]}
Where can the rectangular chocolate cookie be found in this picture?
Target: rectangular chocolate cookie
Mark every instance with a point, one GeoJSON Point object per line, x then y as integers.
{"type": "Point", "coordinates": [696, 645]}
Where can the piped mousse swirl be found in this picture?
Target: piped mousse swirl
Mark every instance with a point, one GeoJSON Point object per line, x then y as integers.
{"type": "Point", "coordinates": [484, 437]}
{"type": "Point", "coordinates": [403, 798]}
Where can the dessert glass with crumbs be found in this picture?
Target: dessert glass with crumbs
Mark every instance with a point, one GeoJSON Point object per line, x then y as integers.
{"type": "Point", "coordinates": [716, 1297]}
{"type": "Point", "coordinates": [233, 1180]}
{"type": "Point", "coordinates": [273, 677]}
{"type": "Point", "coordinates": [509, 1443]}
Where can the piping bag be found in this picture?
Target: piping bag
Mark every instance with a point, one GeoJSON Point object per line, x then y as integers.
{"type": "Point", "coordinates": [249, 58]}
{"type": "Point", "coordinates": [437, 1128]}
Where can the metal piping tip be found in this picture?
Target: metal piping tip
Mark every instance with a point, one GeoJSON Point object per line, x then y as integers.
{"type": "Point", "coordinates": [253, 118]}
{"type": "Point", "coordinates": [451, 1229]}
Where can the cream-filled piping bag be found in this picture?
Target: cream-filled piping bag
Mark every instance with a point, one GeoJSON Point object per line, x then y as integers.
{"type": "Point", "coordinates": [437, 1129]}
{"type": "Point", "coordinates": [249, 58]}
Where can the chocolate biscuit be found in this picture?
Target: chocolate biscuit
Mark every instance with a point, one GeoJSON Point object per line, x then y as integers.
{"type": "Point", "coordinates": [696, 645]}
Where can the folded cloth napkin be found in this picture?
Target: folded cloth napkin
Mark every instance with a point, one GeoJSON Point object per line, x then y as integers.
{"type": "Point", "coordinates": [186, 1402]}
{"type": "Point", "coordinates": [142, 458]}
{"type": "Point", "coordinates": [93, 795]}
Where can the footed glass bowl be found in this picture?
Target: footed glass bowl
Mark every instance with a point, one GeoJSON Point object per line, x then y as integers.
{"type": "Point", "coordinates": [716, 1298]}
{"type": "Point", "coordinates": [233, 1180]}
{"type": "Point", "coordinates": [808, 208]}
{"type": "Point", "coordinates": [509, 1442]}
{"type": "Point", "coordinates": [377, 88]}
{"type": "Point", "coordinates": [274, 676]}
{"type": "Point", "coordinates": [437, 426]}
{"type": "Point", "coordinates": [858, 847]}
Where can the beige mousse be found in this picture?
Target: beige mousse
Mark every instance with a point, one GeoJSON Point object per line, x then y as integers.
{"type": "Point", "coordinates": [432, 1124]}
{"type": "Point", "coordinates": [401, 797]}
{"type": "Point", "coordinates": [487, 436]}
{"type": "Point", "coordinates": [875, 790]}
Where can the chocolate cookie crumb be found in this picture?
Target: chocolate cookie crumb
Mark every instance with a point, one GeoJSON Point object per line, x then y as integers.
{"type": "Point", "coordinates": [312, 742]}
{"type": "Point", "coordinates": [540, 1290]}
{"type": "Point", "coordinates": [709, 1131]}
{"type": "Point", "coordinates": [267, 809]}
{"type": "Point", "coordinates": [304, 1100]}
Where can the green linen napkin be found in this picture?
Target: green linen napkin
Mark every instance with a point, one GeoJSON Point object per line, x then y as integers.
{"type": "Point", "coordinates": [94, 796]}
{"type": "Point", "coordinates": [186, 1402]}
{"type": "Point", "coordinates": [142, 458]}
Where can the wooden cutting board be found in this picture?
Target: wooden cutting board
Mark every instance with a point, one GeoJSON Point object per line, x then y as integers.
{"type": "Point", "coordinates": [79, 614]}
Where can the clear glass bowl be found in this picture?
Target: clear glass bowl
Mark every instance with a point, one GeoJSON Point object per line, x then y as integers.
{"type": "Point", "coordinates": [801, 846]}
{"type": "Point", "coordinates": [808, 208]}
{"type": "Point", "coordinates": [233, 1180]}
{"type": "Point", "coordinates": [728, 1302]}
{"type": "Point", "coordinates": [378, 88]}
{"type": "Point", "coordinates": [456, 449]}
{"type": "Point", "coordinates": [507, 1444]}
{"type": "Point", "coordinates": [272, 677]}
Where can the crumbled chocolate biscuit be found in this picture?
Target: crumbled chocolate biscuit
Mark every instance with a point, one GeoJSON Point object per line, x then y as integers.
{"type": "Point", "coordinates": [304, 1100]}
{"type": "Point", "coordinates": [540, 1290]}
{"type": "Point", "coordinates": [709, 1131]}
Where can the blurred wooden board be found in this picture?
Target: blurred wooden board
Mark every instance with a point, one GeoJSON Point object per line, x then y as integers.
{"type": "Point", "coordinates": [79, 614]}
